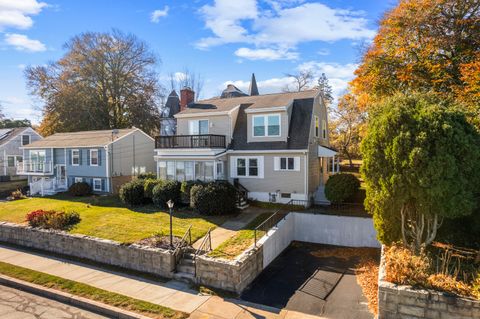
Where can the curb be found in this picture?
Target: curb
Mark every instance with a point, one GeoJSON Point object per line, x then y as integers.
{"type": "Point", "coordinates": [69, 299]}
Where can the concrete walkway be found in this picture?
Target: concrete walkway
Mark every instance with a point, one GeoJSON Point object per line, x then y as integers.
{"type": "Point", "coordinates": [173, 294]}
{"type": "Point", "coordinates": [230, 227]}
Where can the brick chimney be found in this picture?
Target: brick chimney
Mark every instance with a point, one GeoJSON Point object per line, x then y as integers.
{"type": "Point", "coordinates": [187, 96]}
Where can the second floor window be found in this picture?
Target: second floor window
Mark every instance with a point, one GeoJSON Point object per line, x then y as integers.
{"type": "Point", "coordinates": [25, 139]}
{"type": "Point", "coordinates": [93, 157]}
{"type": "Point", "coordinates": [324, 129]}
{"type": "Point", "coordinates": [75, 157]}
{"type": "Point", "coordinates": [198, 127]}
{"type": "Point", "coordinates": [317, 127]}
{"type": "Point", "coordinates": [266, 125]}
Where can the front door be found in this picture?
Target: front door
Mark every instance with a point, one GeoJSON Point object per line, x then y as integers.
{"type": "Point", "coordinates": [61, 176]}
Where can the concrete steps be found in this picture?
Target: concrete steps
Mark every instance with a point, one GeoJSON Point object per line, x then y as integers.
{"type": "Point", "coordinates": [186, 267]}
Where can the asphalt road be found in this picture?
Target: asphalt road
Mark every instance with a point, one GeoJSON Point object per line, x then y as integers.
{"type": "Point", "coordinates": [308, 279]}
{"type": "Point", "coordinates": [17, 304]}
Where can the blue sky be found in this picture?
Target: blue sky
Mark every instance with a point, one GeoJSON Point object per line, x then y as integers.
{"type": "Point", "coordinates": [223, 40]}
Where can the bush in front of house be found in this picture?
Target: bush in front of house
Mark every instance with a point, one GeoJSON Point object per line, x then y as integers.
{"type": "Point", "coordinates": [16, 195]}
{"type": "Point", "coordinates": [148, 187]}
{"type": "Point", "coordinates": [50, 219]}
{"type": "Point", "coordinates": [148, 175]}
{"type": "Point", "coordinates": [133, 193]}
{"type": "Point", "coordinates": [185, 190]}
{"type": "Point", "coordinates": [216, 198]}
{"type": "Point", "coordinates": [341, 187]}
{"type": "Point", "coordinates": [165, 191]}
{"type": "Point", "coordinates": [80, 189]}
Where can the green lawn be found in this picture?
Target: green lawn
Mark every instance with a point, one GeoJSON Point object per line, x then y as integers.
{"type": "Point", "coordinates": [244, 238]}
{"type": "Point", "coordinates": [106, 217]}
{"type": "Point", "coordinates": [83, 290]}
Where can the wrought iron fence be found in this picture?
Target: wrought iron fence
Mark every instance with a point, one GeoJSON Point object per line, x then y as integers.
{"type": "Point", "coordinates": [268, 224]}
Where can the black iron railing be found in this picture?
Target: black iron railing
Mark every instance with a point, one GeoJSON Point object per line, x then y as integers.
{"type": "Point", "coordinates": [268, 224]}
{"type": "Point", "coordinates": [191, 141]}
{"type": "Point", "coordinates": [184, 243]}
{"type": "Point", "coordinates": [204, 248]}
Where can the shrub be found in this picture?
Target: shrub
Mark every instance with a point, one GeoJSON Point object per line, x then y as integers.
{"type": "Point", "coordinates": [148, 186]}
{"type": "Point", "coordinates": [148, 175]}
{"type": "Point", "coordinates": [80, 189]}
{"type": "Point", "coordinates": [165, 191]}
{"type": "Point", "coordinates": [50, 219]}
{"type": "Point", "coordinates": [404, 268]}
{"type": "Point", "coordinates": [17, 195]}
{"type": "Point", "coordinates": [341, 187]}
{"type": "Point", "coordinates": [214, 198]}
{"type": "Point", "coordinates": [185, 190]}
{"type": "Point", "coordinates": [132, 193]}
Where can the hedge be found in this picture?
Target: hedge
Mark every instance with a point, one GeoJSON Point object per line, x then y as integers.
{"type": "Point", "coordinates": [148, 187]}
{"type": "Point", "coordinates": [80, 189]}
{"type": "Point", "coordinates": [165, 191]}
{"type": "Point", "coordinates": [185, 190]}
{"type": "Point", "coordinates": [132, 193]}
{"type": "Point", "coordinates": [216, 198]}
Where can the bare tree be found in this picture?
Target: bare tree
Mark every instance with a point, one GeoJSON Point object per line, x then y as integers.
{"type": "Point", "coordinates": [187, 78]}
{"type": "Point", "coordinates": [301, 81]}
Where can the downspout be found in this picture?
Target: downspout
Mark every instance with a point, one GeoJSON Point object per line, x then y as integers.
{"type": "Point", "coordinates": [107, 167]}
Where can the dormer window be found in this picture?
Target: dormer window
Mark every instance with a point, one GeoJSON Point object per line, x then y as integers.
{"type": "Point", "coordinates": [266, 125]}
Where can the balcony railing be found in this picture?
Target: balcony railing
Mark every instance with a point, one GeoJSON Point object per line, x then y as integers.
{"type": "Point", "coordinates": [35, 167]}
{"type": "Point", "coordinates": [191, 141]}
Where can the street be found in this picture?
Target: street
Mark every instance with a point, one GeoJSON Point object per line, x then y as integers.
{"type": "Point", "coordinates": [17, 304]}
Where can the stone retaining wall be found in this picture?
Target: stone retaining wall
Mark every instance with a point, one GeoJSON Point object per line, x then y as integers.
{"type": "Point", "coordinates": [399, 302]}
{"type": "Point", "coordinates": [150, 260]}
{"type": "Point", "coordinates": [231, 275]}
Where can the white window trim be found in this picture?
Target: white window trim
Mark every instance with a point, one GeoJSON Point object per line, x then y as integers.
{"type": "Point", "coordinates": [93, 184]}
{"type": "Point", "coordinates": [233, 166]}
{"type": "Point", "coordinates": [265, 125]}
{"type": "Point", "coordinates": [198, 124]}
{"type": "Point", "coordinates": [78, 180]}
{"type": "Point", "coordinates": [76, 150]}
{"type": "Point", "coordinates": [277, 164]}
{"type": "Point", "coordinates": [91, 157]}
{"type": "Point", "coordinates": [29, 139]}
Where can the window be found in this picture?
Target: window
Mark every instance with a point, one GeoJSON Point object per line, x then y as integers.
{"type": "Point", "coordinates": [170, 170]}
{"type": "Point", "coordinates": [180, 171]}
{"type": "Point", "coordinates": [209, 171]}
{"type": "Point", "coordinates": [78, 179]}
{"type": "Point", "coordinates": [199, 170]}
{"type": "Point", "coordinates": [189, 171]}
{"type": "Point", "coordinates": [266, 125]}
{"type": "Point", "coordinates": [93, 157]}
{"type": "Point", "coordinates": [286, 195]}
{"type": "Point", "coordinates": [287, 163]}
{"type": "Point", "coordinates": [247, 166]}
{"type": "Point", "coordinates": [162, 170]}
{"type": "Point", "coordinates": [25, 139]}
{"type": "Point", "coordinates": [198, 127]}
{"type": "Point", "coordinates": [97, 184]}
{"type": "Point", "coordinates": [37, 161]}
{"type": "Point", "coordinates": [324, 129]}
{"type": "Point", "coordinates": [19, 159]}
{"type": "Point", "coordinates": [11, 161]}
{"type": "Point", "coordinates": [75, 157]}
{"type": "Point", "coordinates": [220, 170]}
{"type": "Point", "coordinates": [317, 127]}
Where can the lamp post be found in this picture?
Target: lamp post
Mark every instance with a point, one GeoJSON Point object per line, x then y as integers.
{"type": "Point", "coordinates": [170, 207]}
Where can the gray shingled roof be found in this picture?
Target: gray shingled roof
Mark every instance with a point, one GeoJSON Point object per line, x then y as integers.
{"type": "Point", "coordinates": [298, 135]}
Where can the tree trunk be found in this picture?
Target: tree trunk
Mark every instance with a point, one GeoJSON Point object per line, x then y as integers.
{"type": "Point", "coordinates": [418, 230]}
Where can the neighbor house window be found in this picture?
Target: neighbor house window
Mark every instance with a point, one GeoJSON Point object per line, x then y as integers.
{"type": "Point", "coordinates": [25, 139]}
{"type": "Point", "coordinates": [247, 166]}
{"type": "Point", "coordinates": [75, 157]}
{"type": "Point", "coordinates": [11, 161]}
{"type": "Point", "coordinates": [324, 129]}
{"type": "Point", "coordinates": [317, 127]}
{"type": "Point", "coordinates": [93, 157]}
{"type": "Point", "coordinates": [198, 127]}
{"type": "Point", "coordinates": [266, 125]}
{"type": "Point", "coordinates": [78, 179]}
{"type": "Point", "coordinates": [97, 184]}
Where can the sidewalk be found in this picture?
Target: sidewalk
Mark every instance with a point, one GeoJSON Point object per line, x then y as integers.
{"type": "Point", "coordinates": [173, 294]}
{"type": "Point", "coordinates": [230, 227]}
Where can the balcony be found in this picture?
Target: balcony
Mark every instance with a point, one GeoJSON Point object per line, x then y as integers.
{"type": "Point", "coordinates": [35, 168]}
{"type": "Point", "coordinates": [191, 141]}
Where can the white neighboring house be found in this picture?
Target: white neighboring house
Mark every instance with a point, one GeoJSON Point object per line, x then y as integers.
{"type": "Point", "coordinates": [11, 139]}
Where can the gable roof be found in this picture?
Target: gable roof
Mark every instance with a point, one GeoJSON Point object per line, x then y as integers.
{"type": "Point", "coordinates": [81, 139]}
{"type": "Point", "coordinates": [6, 135]}
{"type": "Point", "coordinates": [298, 132]}
{"type": "Point", "coordinates": [256, 102]}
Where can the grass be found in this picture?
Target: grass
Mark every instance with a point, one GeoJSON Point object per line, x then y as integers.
{"type": "Point", "coordinates": [83, 290]}
{"type": "Point", "coordinates": [244, 238]}
{"type": "Point", "coordinates": [106, 217]}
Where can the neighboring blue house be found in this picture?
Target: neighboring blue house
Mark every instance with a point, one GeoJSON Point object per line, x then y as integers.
{"type": "Point", "coordinates": [103, 159]}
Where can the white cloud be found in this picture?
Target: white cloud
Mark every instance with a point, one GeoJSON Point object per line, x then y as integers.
{"type": "Point", "coordinates": [16, 13]}
{"type": "Point", "coordinates": [157, 14]}
{"type": "Point", "coordinates": [323, 52]}
{"type": "Point", "coordinates": [268, 54]}
{"type": "Point", "coordinates": [22, 43]}
{"type": "Point", "coordinates": [287, 24]}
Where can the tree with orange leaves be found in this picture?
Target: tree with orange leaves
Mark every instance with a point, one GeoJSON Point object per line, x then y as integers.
{"type": "Point", "coordinates": [425, 45]}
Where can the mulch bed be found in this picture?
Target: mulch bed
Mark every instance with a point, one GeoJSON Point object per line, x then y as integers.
{"type": "Point", "coordinates": [157, 241]}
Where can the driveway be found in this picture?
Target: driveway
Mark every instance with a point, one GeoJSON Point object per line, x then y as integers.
{"type": "Point", "coordinates": [313, 279]}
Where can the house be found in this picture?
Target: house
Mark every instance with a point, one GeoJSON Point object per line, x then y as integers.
{"type": "Point", "coordinates": [103, 159]}
{"type": "Point", "coordinates": [11, 139]}
{"type": "Point", "coordinates": [273, 147]}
